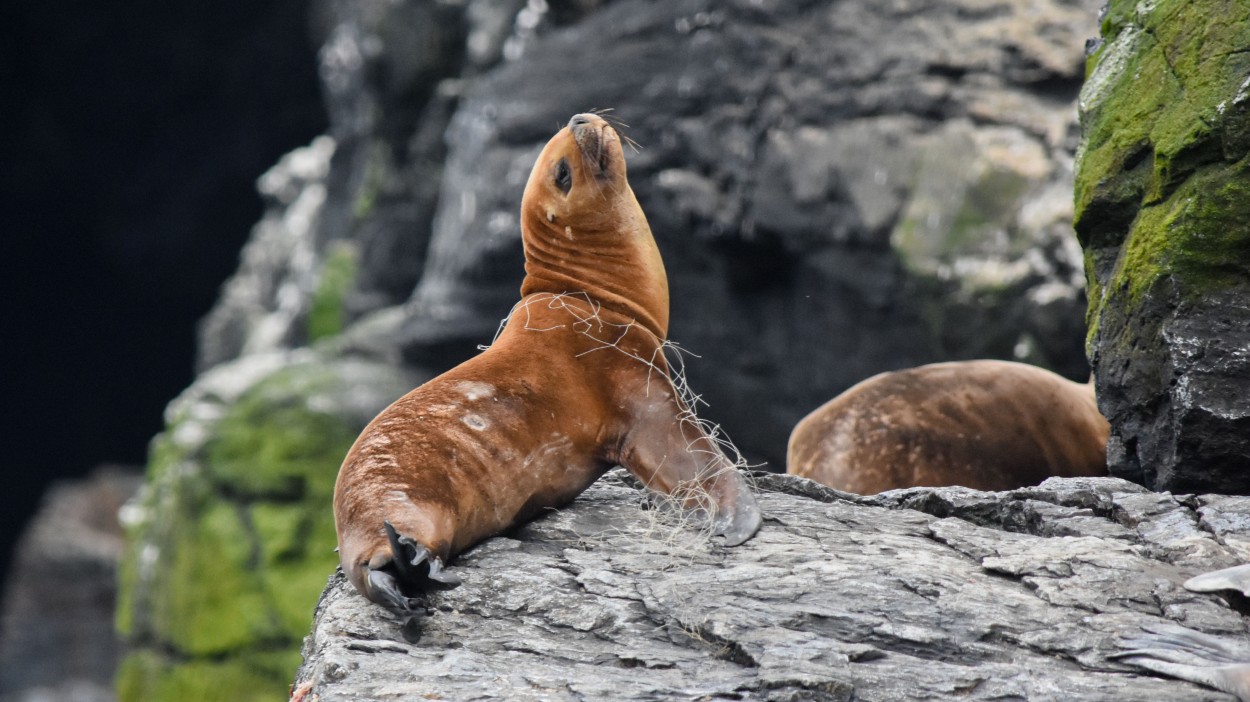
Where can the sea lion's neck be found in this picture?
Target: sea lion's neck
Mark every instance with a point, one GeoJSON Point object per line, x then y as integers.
{"type": "Point", "coordinates": [618, 265]}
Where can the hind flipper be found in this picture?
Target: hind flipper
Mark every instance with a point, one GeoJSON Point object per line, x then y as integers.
{"type": "Point", "coordinates": [385, 590]}
{"type": "Point", "coordinates": [417, 567]}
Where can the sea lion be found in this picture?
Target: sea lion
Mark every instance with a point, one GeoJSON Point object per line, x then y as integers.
{"type": "Point", "coordinates": [575, 382]}
{"type": "Point", "coordinates": [988, 425]}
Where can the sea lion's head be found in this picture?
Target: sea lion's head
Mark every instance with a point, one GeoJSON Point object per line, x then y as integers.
{"type": "Point", "coordinates": [579, 179]}
{"type": "Point", "coordinates": [584, 231]}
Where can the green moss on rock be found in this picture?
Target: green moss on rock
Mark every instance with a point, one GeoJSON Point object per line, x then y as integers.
{"type": "Point", "coordinates": [272, 444]}
{"type": "Point", "coordinates": [211, 601]}
{"type": "Point", "coordinates": [258, 677]}
{"type": "Point", "coordinates": [297, 554]}
{"type": "Point", "coordinates": [327, 315]}
{"type": "Point", "coordinates": [1200, 236]}
{"type": "Point", "coordinates": [233, 538]}
{"type": "Point", "coordinates": [1160, 193]}
{"type": "Point", "coordinates": [1159, 93]}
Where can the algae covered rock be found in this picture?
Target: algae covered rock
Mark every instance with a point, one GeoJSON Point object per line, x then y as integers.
{"type": "Point", "coordinates": [232, 537]}
{"type": "Point", "coordinates": [1163, 212]}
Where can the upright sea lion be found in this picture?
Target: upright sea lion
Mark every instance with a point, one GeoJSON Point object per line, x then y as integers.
{"type": "Point", "coordinates": [575, 382]}
{"type": "Point", "coordinates": [989, 425]}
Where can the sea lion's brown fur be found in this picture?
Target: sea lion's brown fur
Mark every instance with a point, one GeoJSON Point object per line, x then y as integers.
{"type": "Point", "coordinates": [989, 425]}
{"type": "Point", "coordinates": [575, 383]}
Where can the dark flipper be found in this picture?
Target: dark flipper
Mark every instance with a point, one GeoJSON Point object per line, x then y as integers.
{"type": "Point", "coordinates": [416, 566]}
{"type": "Point", "coordinates": [401, 584]}
{"type": "Point", "coordinates": [384, 589]}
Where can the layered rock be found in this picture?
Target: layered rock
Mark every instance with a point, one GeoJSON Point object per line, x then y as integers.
{"type": "Point", "coordinates": [1162, 202]}
{"type": "Point", "coordinates": [926, 593]}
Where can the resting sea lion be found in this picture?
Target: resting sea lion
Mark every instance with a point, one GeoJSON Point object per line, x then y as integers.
{"type": "Point", "coordinates": [988, 425]}
{"type": "Point", "coordinates": [575, 383]}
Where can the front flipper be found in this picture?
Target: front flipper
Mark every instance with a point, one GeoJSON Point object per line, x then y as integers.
{"type": "Point", "coordinates": [670, 452]}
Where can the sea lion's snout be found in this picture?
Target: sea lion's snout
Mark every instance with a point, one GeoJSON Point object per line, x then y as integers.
{"type": "Point", "coordinates": [592, 134]}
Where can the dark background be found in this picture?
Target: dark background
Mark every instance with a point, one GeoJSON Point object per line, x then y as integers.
{"type": "Point", "coordinates": [132, 137]}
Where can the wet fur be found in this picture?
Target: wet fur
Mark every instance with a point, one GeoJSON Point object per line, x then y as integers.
{"type": "Point", "coordinates": [988, 425]}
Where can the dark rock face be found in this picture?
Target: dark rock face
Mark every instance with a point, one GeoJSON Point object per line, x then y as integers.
{"type": "Point", "coordinates": [1162, 203]}
{"type": "Point", "coordinates": [920, 594]}
{"type": "Point", "coordinates": [829, 204]}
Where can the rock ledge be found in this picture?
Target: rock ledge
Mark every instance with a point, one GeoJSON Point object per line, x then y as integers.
{"type": "Point", "coordinates": [915, 594]}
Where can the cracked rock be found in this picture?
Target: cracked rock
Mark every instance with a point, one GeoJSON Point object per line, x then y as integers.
{"type": "Point", "coordinates": [942, 593]}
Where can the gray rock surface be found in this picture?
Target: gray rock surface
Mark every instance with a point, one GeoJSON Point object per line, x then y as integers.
{"type": "Point", "coordinates": [918, 594]}
{"type": "Point", "coordinates": [830, 204]}
{"type": "Point", "coordinates": [57, 642]}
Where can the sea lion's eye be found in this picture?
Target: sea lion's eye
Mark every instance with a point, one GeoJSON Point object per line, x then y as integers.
{"type": "Point", "coordinates": [564, 177]}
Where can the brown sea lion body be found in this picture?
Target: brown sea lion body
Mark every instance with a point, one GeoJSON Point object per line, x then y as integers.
{"type": "Point", "coordinates": [575, 383]}
{"type": "Point", "coordinates": [988, 425]}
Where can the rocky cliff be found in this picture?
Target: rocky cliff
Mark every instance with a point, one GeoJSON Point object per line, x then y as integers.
{"type": "Point", "coordinates": [837, 189]}
{"type": "Point", "coordinates": [1162, 206]}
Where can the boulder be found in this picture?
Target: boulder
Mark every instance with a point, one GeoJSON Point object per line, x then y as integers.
{"type": "Point", "coordinates": [928, 593]}
{"type": "Point", "coordinates": [230, 538]}
{"type": "Point", "coordinates": [1162, 202]}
